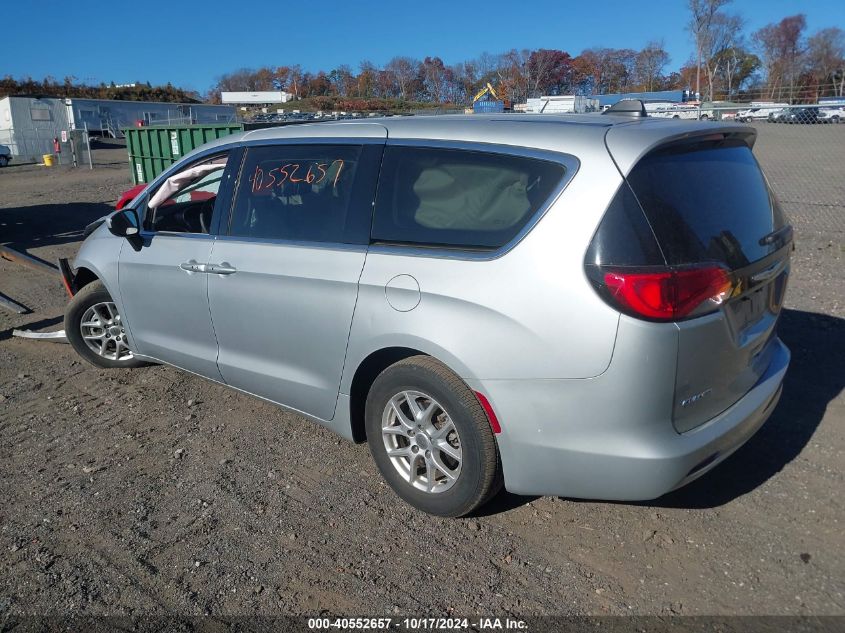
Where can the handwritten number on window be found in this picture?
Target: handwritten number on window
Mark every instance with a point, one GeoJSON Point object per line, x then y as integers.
{"type": "Point", "coordinates": [314, 174]}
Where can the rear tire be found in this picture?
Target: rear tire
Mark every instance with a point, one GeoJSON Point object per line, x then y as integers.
{"type": "Point", "coordinates": [4, 160]}
{"type": "Point", "coordinates": [93, 328]}
{"type": "Point", "coordinates": [443, 460]}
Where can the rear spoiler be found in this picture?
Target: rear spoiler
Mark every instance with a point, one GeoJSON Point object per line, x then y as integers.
{"type": "Point", "coordinates": [627, 144]}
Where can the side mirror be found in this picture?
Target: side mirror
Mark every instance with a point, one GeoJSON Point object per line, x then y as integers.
{"type": "Point", "coordinates": [124, 223]}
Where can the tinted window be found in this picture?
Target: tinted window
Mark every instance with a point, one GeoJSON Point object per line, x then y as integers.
{"type": "Point", "coordinates": [624, 237]}
{"type": "Point", "coordinates": [458, 198]}
{"type": "Point", "coordinates": [316, 193]}
{"type": "Point", "coordinates": [707, 202]}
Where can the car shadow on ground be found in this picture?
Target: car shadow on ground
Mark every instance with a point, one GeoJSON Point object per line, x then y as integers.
{"type": "Point", "coordinates": [816, 376]}
{"type": "Point", "coordinates": [22, 228]}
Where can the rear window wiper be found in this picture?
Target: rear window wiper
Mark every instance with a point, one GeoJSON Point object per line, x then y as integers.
{"type": "Point", "coordinates": [782, 235]}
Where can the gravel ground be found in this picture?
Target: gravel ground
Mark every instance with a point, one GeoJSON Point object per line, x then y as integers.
{"type": "Point", "coordinates": [152, 491]}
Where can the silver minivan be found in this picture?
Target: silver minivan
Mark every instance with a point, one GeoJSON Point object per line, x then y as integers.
{"type": "Point", "coordinates": [579, 305]}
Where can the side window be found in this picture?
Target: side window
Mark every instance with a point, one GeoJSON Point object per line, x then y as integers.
{"type": "Point", "coordinates": [312, 193]}
{"type": "Point", "coordinates": [459, 198]}
{"type": "Point", "coordinates": [184, 203]}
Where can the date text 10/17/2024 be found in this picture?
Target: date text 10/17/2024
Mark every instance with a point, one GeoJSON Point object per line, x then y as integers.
{"type": "Point", "coordinates": [419, 624]}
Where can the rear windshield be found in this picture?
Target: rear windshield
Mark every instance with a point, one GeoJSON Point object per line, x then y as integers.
{"type": "Point", "coordinates": [707, 202]}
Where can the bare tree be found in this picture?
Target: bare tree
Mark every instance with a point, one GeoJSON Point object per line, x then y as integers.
{"type": "Point", "coordinates": [724, 34]}
{"type": "Point", "coordinates": [403, 70]}
{"type": "Point", "coordinates": [735, 66]}
{"type": "Point", "coordinates": [650, 63]}
{"type": "Point", "coordinates": [700, 22]}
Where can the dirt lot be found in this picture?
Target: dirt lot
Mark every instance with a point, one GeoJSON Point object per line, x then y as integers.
{"type": "Point", "coordinates": [261, 512]}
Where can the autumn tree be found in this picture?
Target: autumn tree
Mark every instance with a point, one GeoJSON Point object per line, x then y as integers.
{"type": "Point", "coordinates": [434, 76]}
{"type": "Point", "coordinates": [781, 48]}
{"type": "Point", "coordinates": [650, 63]}
{"type": "Point", "coordinates": [549, 71]}
{"type": "Point", "coordinates": [826, 59]}
{"type": "Point", "coordinates": [403, 70]}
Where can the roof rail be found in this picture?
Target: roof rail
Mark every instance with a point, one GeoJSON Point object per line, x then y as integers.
{"type": "Point", "coordinates": [634, 108]}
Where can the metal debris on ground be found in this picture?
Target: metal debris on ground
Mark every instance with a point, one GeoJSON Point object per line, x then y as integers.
{"type": "Point", "coordinates": [58, 337]}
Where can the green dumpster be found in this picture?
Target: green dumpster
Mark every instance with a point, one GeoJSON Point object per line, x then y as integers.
{"type": "Point", "coordinates": [152, 149]}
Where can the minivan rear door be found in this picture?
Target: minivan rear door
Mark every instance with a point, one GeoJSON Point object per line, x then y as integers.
{"type": "Point", "coordinates": [708, 203]}
{"type": "Point", "coordinates": [283, 276]}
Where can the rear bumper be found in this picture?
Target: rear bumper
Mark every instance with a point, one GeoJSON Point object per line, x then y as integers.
{"type": "Point", "coordinates": [606, 438]}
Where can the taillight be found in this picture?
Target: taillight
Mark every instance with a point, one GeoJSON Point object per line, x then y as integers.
{"type": "Point", "coordinates": [667, 294]}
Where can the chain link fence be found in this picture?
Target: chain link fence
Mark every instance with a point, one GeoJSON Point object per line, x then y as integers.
{"type": "Point", "coordinates": [805, 164]}
{"type": "Point", "coordinates": [801, 149]}
{"type": "Point", "coordinates": [802, 152]}
{"type": "Point", "coordinates": [31, 145]}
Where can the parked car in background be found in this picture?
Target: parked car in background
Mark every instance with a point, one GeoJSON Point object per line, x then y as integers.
{"type": "Point", "coordinates": [566, 310]}
{"type": "Point", "coordinates": [5, 155]}
{"type": "Point", "coordinates": [760, 112]}
{"type": "Point", "coordinates": [796, 115]}
{"type": "Point", "coordinates": [832, 115]}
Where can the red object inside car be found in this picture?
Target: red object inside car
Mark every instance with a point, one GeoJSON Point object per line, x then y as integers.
{"type": "Point", "coordinates": [129, 195]}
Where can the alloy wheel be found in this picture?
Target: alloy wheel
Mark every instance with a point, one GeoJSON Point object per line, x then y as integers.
{"type": "Point", "coordinates": [104, 333]}
{"type": "Point", "coordinates": [422, 441]}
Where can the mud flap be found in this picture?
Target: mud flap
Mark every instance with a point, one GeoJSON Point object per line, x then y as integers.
{"type": "Point", "coordinates": [68, 277]}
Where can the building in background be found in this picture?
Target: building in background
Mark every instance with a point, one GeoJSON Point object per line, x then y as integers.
{"type": "Point", "coordinates": [559, 104]}
{"type": "Point", "coordinates": [28, 125]}
{"type": "Point", "coordinates": [107, 116]}
{"type": "Point", "coordinates": [661, 96]}
{"type": "Point", "coordinates": [562, 104]}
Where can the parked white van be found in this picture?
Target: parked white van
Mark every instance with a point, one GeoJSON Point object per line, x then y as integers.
{"type": "Point", "coordinates": [832, 115]}
{"type": "Point", "coordinates": [760, 111]}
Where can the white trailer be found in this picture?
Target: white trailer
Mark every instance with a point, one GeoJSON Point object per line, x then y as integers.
{"type": "Point", "coordinates": [556, 104]}
{"type": "Point", "coordinates": [28, 125]}
{"type": "Point", "coordinates": [108, 116]}
{"type": "Point", "coordinates": [670, 110]}
{"type": "Point", "coordinates": [256, 98]}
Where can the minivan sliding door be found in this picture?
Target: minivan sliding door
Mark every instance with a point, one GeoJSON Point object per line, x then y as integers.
{"type": "Point", "coordinates": [283, 283]}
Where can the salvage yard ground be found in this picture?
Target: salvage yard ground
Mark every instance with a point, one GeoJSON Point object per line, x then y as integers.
{"type": "Point", "coordinates": [153, 491]}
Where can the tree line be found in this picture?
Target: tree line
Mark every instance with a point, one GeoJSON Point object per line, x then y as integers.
{"type": "Point", "coordinates": [71, 87]}
{"type": "Point", "coordinates": [515, 76]}
{"type": "Point", "coordinates": [779, 61]}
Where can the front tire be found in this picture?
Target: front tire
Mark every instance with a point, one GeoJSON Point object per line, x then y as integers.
{"type": "Point", "coordinates": [94, 329]}
{"type": "Point", "coordinates": [430, 438]}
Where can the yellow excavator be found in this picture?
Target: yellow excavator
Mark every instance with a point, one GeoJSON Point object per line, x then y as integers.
{"type": "Point", "coordinates": [486, 90]}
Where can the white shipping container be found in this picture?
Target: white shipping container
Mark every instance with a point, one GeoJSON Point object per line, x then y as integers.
{"type": "Point", "coordinates": [259, 97]}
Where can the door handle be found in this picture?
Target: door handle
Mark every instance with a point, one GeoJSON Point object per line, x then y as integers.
{"type": "Point", "coordinates": [192, 266]}
{"type": "Point", "coordinates": [223, 268]}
